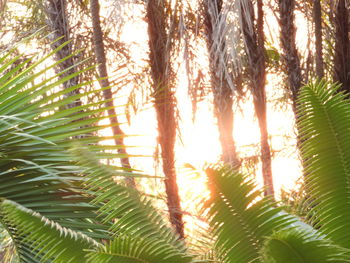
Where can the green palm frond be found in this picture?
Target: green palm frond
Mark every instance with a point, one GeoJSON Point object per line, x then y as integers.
{"type": "Point", "coordinates": [133, 214]}
{"type": "Point", "coordinates": [241, 218]}
{"type": "Point", "coordinates": [36, 169]}
{"type": "Point", "coordinates": [295, 246]}
{"type": "Point", "coordinates": [44, 240]}
{"type": "Point", "coordinates": [138, 250]}
{"type": "Point", "coordinates": [143, 235]}
{"type": "Point", "coordinates": [324, 126]}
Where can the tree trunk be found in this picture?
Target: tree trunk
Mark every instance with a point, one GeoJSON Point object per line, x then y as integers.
{"type": "Point", "coordinates": [290, 52]}
{"type": "Point", "coordinates": [164, 102]}
{"type": "Point", "coordinates": [318, 38]}
{"type": "Point", "coordinates": [104, 82]}
{"type": "Point", "coordinates": [56, 12]}
{"type": "Point", "coordinates": [254, 43]}
{"type": "Point", "coordinates": [223, 110]}
{"type": "Point", "coordinates": [223, 93]}
{"type": "Point", "coordinates": [342, 46]}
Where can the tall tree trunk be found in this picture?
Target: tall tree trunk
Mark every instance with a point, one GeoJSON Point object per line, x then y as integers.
{"type": "Point", "coordinates": [164, 102]}
{"type": "Point", "coordinates": [317, 12]}
{"type": "Point", "coordinates": [104, 82]}
{"type": "Point", "coordinates": [342, 46]}
{"type": "Point", "coordinates": [254, 43]}
{"type": "Point", "coordinates": [223, 93]}
{"type": "Point", "coordinates": [56, 12]}
{"type": "Point", "coordinates": [290, 52]}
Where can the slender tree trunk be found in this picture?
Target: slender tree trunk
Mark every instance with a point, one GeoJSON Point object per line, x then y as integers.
{"type": "Point", "coordinates": [104, 82]}
{"type": "Point", "coordinates": [290, 52]}
{"type": "Point", "coordinates": [223, 110]}
{"type": "Point", "coordinates": [342, 46]}
{"type": "Point", "coordinates": [254, 42]}
{"type": "Point", "coordinates": [56, 12]}
{"type": "Point", "coordinates": [223, 93]}
{"type": "Point", "coordinates": [318, 38]}
{"type": "Point", "coordinates": [164, 102]}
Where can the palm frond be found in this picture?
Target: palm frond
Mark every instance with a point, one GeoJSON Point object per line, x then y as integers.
{"type": "Point", "coordinates": [133, 214]}
{"type": "Point", "coordinates": [297, 247]}
{"type": "Point", "coordinates": [324, 124]}
{"type": "Point", "coordinates": [136, 250]}
{"type": "Point", "coordinates": [43, 239]}
{"type": "Point", "coordinates": [36, 170]}
{"type": "Point", "coordinates": [241, 218]}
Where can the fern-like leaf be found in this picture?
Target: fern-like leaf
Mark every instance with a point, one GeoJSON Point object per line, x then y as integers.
{"type": "Point", "coordinates": [295, 246]}
{"type": "Point", "coordinates": [138, 250]}
{"type": "Point", "coordinates": [45, 240]}
{"type": "Point", "coordinates": [239, 216]}
{"type": "Point", "coordinates": [324, 126]}
{"type": "Point", "coordinates": [132, 213]}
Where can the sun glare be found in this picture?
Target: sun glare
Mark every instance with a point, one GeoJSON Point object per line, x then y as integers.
{"type": "Point", "coordinates": [198, 141]}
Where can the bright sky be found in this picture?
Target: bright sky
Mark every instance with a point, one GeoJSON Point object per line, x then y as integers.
{"type": "Point", "coordinates": [200, 142]}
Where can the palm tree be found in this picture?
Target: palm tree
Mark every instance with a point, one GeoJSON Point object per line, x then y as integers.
{"type": "Point", "coordinates": [221, 80]}
{"type": "Point", "coordinates": [100, 56]}
{"type": "Point", "coordinates": [317, 12]}
{"type": "Point", "coordinates": [255, 50]}
{"type": "Point", "coordinates": [164, 102]}
{"type": "Point", "coordinates": [342, 45]}
{"type": "Point", "coordinates": [57, 20]}
{"type": "Point", "coordinates": [290, 52]}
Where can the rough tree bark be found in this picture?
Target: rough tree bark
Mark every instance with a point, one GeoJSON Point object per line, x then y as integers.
{"type": "Point", "coordinates": [223, 93]}
{"type": "Point", "coordinates": [56, 12]}
{"type": "Point", "coordinates": [164, 102]}
{"type": "Point", "coordinates": [100, 56]}
{"type": "Point", "coordinates": [317, 12]}
{"type": "Point", "coordinates": [342, 46]}
{"type": "Point", "coordinates": [290, 52]}
{"type": "Point", "coordinates": [254, 43]}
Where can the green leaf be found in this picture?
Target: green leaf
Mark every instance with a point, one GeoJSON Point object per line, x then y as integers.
{"type": "Point", "coordinates": [138, 250]}
{"type": "Point", "coordinates": [294, 246]}
{"type": "Point", "coordinates": [46, 239]}
{"type": "Point", "coordinates": [240, 217]}
{"type": "Point", "coordinates": [132, 213]}
{"type": "Point", "coordinates": [324, 125]}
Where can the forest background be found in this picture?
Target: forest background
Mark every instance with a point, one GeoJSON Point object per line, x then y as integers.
{"type": "Point", "coordinates": [195, 82]}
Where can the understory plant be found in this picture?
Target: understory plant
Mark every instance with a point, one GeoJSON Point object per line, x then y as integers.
{"type": "Point", "coordinates": [59, 203]}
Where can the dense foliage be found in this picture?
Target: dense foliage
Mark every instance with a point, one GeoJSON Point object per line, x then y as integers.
{"type": "Point", "coordinates": [59, 203]}
{"type": "Point", "coordinates": [63, 196]}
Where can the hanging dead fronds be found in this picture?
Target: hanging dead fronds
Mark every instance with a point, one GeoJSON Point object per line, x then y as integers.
{"type": "Point", "coordinates": [222, 74]}
{"type": "Point", "coordinates": [224, 37]}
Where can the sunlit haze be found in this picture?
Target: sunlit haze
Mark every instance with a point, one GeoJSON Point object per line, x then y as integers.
{"type": "Point", "coordinates": [198, 143]}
